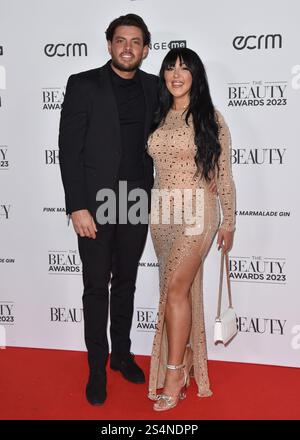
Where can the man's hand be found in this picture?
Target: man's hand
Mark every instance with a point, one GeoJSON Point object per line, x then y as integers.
{"type": "Point", "coordinates": [213, 187]}
{"type": "Point", "coordinates": [225, 240]}
{"type": "Point", "coordinates": [84, 224]}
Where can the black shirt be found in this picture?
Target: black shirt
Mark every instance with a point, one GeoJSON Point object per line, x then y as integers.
{"type": "Point", "coordinates": [131, 107]}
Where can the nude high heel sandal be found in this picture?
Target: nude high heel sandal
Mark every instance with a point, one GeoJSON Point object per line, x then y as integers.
{"type": "Point", "coordinates": [165, 402]}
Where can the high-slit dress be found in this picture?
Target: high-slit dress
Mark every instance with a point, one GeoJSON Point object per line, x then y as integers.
{"type": "Point", "coordinates": [173, 150]}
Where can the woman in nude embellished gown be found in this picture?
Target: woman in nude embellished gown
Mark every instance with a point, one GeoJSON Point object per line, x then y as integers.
{"type": "Point", "coordinates": [190, 146]}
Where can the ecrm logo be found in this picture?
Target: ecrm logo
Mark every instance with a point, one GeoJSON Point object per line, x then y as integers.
{"type": "Point", "coordinates": [271, 41]}
{"type": "Point", "coordinates": [65, 50]}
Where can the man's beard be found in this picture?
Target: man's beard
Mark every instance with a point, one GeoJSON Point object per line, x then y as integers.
{"type": "Point", "coordinates": [123, 68]}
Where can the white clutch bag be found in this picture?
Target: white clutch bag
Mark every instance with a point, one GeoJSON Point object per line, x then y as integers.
{"type": "Point", "coordinates": [225, 323]}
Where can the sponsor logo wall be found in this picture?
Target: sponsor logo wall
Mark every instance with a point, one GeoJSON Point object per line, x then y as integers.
{"type": "Point", "coordinates": [254, 76]}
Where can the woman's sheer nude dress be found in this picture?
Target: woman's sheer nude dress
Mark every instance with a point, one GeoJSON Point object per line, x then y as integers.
{"type": "Point", "coordinates": [173, 150]}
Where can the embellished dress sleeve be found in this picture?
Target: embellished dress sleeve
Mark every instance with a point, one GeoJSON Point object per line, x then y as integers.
{"type": "Point", "coordinates": [224, 181]}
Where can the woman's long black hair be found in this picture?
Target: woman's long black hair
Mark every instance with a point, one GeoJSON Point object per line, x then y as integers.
{"type": "Point", "coordinates": [200, 107]}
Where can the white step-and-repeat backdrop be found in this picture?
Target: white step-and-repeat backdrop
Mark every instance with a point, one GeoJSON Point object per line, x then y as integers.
{"type": "Point", "coordinates": [251, 52]}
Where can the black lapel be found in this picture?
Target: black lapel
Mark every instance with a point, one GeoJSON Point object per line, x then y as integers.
{"type": "Point", "coordinates": [146, 90]}
{"type": "Point", "coordinates": [109, 103]}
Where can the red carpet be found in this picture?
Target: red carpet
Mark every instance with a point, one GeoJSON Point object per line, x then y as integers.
{"type": "Point", "coordinates": [49, 384]}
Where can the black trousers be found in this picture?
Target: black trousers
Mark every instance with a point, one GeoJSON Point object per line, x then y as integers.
{"type": "Point", "coordinates": [112, 258]}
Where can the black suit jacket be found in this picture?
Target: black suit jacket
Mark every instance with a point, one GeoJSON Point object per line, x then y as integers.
{"type": "Point", "coordinates": [89, 136]}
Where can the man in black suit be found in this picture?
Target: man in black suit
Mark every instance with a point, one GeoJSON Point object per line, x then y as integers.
{"type": "Point", "coordinates": [105, 122]}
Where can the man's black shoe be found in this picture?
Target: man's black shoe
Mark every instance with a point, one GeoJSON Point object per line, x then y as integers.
{"type": "Point", "coordinates": [96, 388]}
{"type": "Point", "coordinates": [127, 366]}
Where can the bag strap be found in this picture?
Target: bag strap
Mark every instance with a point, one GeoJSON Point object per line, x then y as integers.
{"type": "Point", "coordinates": [224, 256]}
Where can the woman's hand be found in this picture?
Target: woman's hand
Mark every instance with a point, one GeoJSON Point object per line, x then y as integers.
{"type": "Point", "coordinates": [225, 240]}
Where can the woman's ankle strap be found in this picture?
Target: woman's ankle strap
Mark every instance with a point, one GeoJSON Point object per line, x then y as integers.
{"type": "Point", "coordinates": [175, 367]}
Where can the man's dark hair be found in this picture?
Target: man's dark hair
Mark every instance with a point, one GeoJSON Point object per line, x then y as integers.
{"type": "Point", "coordinates": [129, 20]}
